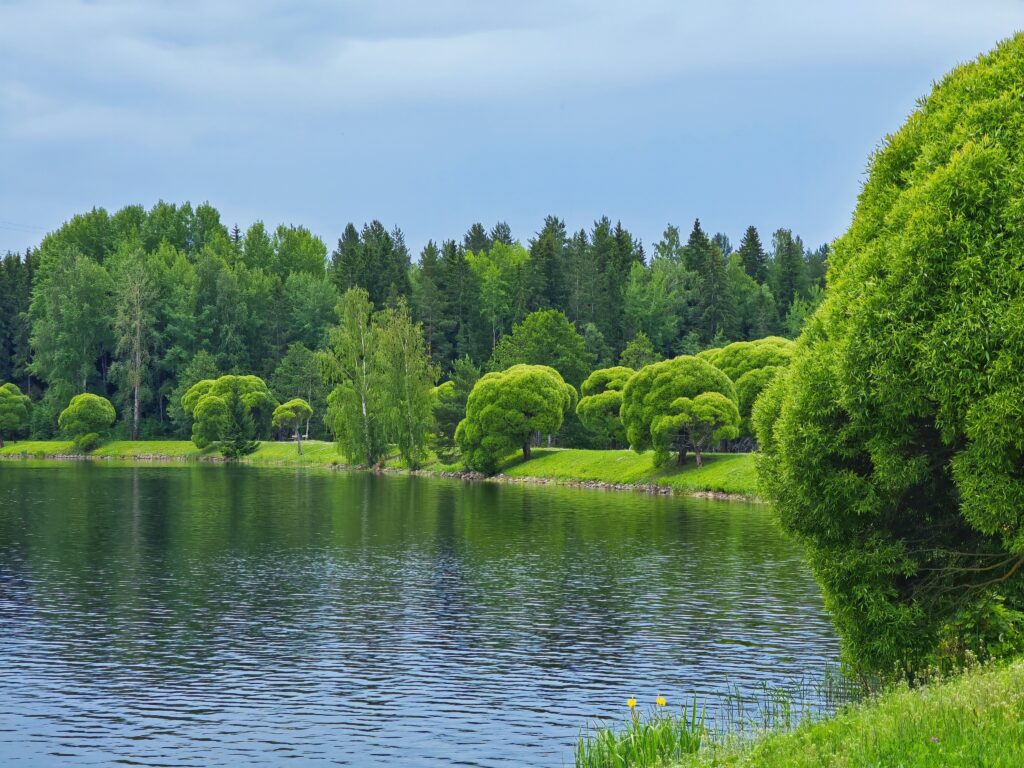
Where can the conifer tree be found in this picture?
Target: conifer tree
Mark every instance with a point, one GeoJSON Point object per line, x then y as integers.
{"type": "Point", "coordinates": [752, 255]}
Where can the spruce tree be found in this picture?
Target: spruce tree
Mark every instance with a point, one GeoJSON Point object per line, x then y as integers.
{"type": "Point", "coordinates": [754, 259]}
{"type": "Point", "coordinates": [476, 239]}
{"type": "Point", "coordinates": [546, 273]}
{"type": "Point", "coordinates": [348, 267]}
{"type": "Point", "coordinates": [501, 233]}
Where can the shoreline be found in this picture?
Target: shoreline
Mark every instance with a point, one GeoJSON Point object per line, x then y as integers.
{"type": "Point", "coordinates": [323, 455]}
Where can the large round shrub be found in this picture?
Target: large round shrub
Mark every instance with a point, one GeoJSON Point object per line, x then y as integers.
{"type": "Point", "coordinates": [14, 410]}
{"type": "Point", "coordinates": [86, 420]}
{"type": "Point", "coordinates": [231, 412]}
{"type": "Point", "coordinates": [600, 401]}
{"type": "Point", "coordinates": [893, 446]}
{"type": "Point", "coordinates": [751, 365]}
{"type": "Point", "coordinates": [669, 389]}
{"type": "Point", "coordinates": [507, 408]}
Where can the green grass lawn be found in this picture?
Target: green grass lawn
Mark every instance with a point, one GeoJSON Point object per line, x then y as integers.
{"type": "Point", "coordinates": [973, 720]}
{"type": "Point", "coordinates": [732, 473]}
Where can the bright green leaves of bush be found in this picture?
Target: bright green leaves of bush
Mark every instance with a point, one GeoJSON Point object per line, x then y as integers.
{"type": "Point", "coordinates": [601, 400]}
{"type": "Point", "coordinates": [291, 416]}
{"type": "Point", "coordinates": [231, 411]}
{"type": "Point", "coordinates": [892, 447]}
{"type": "Point", "coordinates": [14, 410]}
{"type": "Point", "coordinates": [507, 408]}
{"type": "Point", "coordinates": [665, 407]}
{"type": "Point", "coordinates": [86, 420]}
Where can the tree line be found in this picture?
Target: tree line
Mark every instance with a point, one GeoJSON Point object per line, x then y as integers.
{"type": "Point", "coordinates": [140, 305]}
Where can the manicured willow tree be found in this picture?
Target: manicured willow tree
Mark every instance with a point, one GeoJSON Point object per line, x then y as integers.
{"type": "Point", "coordinates": [86, 420]}
{"type": "Point", "coordinates": [600, 401]}
{"type": "Point", "coordinates": [232, 411]}
{"type": "Point", "coordinates": [893, 447]}
{"type": "Point", "coordinates": [751, 365]}
{"type": "Point", "coordinates": [507, 408]}
{"type": "Point", "coordinates": [662, 408]}
{"type": "Point", "coordinates": [292, 415]}
{"type": "Point", "coordinates": [14, 410]}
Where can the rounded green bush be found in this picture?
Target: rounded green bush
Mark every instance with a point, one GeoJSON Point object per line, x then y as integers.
{"type": "Point", "coordinates": [86, 420]}
{"type": "Point", "coordinates": [670, 389]}
{"type": "Point", "coordinates": [507, 408]}
{"type": "Point", "coordinates": [600, 401]}
{"type": "Point", "coordinates": [893, 446]}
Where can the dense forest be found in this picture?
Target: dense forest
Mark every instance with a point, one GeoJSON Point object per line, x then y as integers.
{"type": "Point", "coordinates": [140, 305]}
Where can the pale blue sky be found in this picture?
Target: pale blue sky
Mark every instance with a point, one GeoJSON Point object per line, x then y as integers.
{"type": "Point", "coordinates": [433, 115]}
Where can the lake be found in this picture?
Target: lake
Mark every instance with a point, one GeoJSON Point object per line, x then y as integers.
{"type": "Point", "coordinates": [201, 615]}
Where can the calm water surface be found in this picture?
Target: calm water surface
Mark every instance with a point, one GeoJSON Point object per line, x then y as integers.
{"type": "Point", "coordinates": [197, 616]}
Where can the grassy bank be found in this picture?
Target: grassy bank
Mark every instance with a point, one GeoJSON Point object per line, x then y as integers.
{"type": "Point", "coordinates": [973, 720]}
{"type": "Point", "coordinates": [722, 473]}
{"type": "Point", "coordinates": [976, 719]}
{"type": "Point", "coordinates": [731, 473]}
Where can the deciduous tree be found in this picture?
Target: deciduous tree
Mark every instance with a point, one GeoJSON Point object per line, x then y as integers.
{"type": "Point", "coordinates": [14, 411]}
{"type": "Point", "coordinates": [292, 415]}
{"type": "Point", "coordinates": [669, 389]}
{"type": "Point", "coordinates": [507, 408]}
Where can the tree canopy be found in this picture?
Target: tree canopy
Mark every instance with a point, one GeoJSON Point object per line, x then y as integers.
{"type": "Point", "coordinates": [231, 412]}
{"type": "Point", "coordinates": [892, 445]}
{"type": "Point", "coordinates": [507, 408]}
{"type": "Point", "coordinates": [291, 416]}
{"type": "Point", "coordinates": [545, 338]}
{"type": "Point", "coordinates": [668, 390]}
{"type": "Point", "coordinates": [87, 419]}
{"type": "Point", "coordinates": [600, 401]}
{"type": "Point", "coordinates": [14, 410]}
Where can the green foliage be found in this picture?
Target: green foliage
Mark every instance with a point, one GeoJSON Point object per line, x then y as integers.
{"type": "Point", "coordinates": [408, 382]}
{"type": "Point", "coordinates": [86, 419]}
{"type": "Point", "coordinates": [291, 416]}
{"type": "Point", "coordinates": [644, 742]}
{"type": "Point", "coordinates": [545, 338]}
{"type": "Point", "coordinates": [450, 401]}
{"type": "Point", "coordinates": [970, 720]}
{"type": "Point", "coordinates": [356, 405]}
{"type": "Point", "coordinates": [708, 418]}
{"type": "Point", "coordinates": [71, 323]}
{"type": "Point", "coordinates": [753, 363]}
{"type": "Point", "coordinates": [506, 409]}
{"type": "Point", "coordinates": [14, 411]}
{"type": "Point", "coordinates": [501, 274]}
{"type": "Point", "coordinates": [298, 376]}
{"type": "Point", "coordinates": [658, 408]}
{"type": "Point", "coordinates": [892, 446]}
{"type": "Point", "coordinates": [638, 353]}
{"type": "Point", "coordinates": [600, 401]}
{"type": "Point", "coordinates": [229, 412]}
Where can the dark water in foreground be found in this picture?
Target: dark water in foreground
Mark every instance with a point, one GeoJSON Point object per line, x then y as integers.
{"type": "Point", "coordinates": [198, 616]}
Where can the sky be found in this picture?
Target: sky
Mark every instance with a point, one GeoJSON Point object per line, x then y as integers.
{"type": "Point", "coordinates": [434, 115]}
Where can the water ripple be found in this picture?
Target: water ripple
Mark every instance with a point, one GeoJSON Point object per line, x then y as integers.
{"type": "Point", "coordinates": [189, 616]}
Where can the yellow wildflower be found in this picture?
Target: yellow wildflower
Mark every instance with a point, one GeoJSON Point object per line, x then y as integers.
{"type": "Point", "coordinates": [660, 701]}
{"type": "Point", "coordinates": [631, 702]}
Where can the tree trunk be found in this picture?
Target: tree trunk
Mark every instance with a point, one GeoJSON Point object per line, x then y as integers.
{"type": "Point", "coordinates": [526, 450]}
{"type": "Point", "coordinates": [696, 455]}
{"type": "Point", "coordinates": [136, 414]}
{"type": "Point", "coordinates": [1, 441]}
{"type": "Point", "coordinates": [298, 438]}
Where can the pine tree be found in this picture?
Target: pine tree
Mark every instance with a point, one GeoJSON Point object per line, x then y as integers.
{"type": "Point", "coordinates": [348, 265]}
{"type": "Point", "coordinates": [789, 273]}
{"type": "Point", "coordinates": [546, 274]}
{"type": "Point", "coordinates": [476, 239]}
{"type": "Point", "coordinates": [428, 300]}
{"type": "Point", "coordinates": [754, 259]}
{"type": "Point", "coordinates": [501, 233]}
